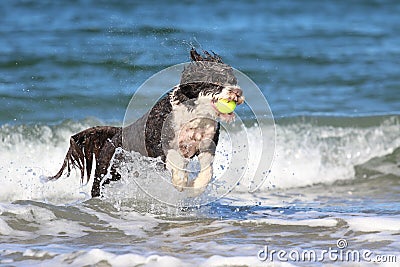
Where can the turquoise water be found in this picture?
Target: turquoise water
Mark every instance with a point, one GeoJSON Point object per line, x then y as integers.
{"type": "Point", "coordinates": [329, 71]}
{"type": "Point", "coordinates": [62, 60]}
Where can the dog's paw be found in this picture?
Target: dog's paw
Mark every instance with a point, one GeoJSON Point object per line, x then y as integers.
{"type": "Point", "coordinates": [179, 179]}
{"type": "Point", "coordinates": [199, 184]}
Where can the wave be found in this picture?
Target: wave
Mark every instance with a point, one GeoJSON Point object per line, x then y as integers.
{"type": "Point", "coordinates": [312, 150]}
{"type": "Point", "coordinates": [309, 151]}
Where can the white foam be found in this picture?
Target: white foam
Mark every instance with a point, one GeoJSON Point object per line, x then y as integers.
{"type": "Point", "coordinates": [305, 155]}
{"type": "Point", "coordinates": [309, 223]}
{"type": "Point", "coordinates": [24, 159]}
{"type": "Point", "coordinates": [4, 228]}
{"type": "Point", "coordinates": [44, 219]}
{"type": "Point", "coordinates": [374, 224]}
{"type": "Point", "coordinates": [95, 256]}
{"type": "Point", "coordinates": [37, 253]}
{"type": "Point", "coordinates": [130, 223]}
{"type": "Point", "coordinates": [216, 260]}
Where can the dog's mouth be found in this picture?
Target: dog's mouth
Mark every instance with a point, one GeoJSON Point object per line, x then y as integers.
{"type": "Point", "coordinates": [228, 99]}
{"type": "Point", "coordinates": [227, 117]}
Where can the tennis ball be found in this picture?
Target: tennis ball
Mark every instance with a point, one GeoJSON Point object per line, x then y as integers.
{"type": "Point", "coordinates": [225, 106]}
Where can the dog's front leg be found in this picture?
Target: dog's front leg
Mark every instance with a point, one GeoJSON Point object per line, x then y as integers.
{"type": "Point", "coordinates": [200, 183]}
{"type": "Point", "coordinates": [176, 164]}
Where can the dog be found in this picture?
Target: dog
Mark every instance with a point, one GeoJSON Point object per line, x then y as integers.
{"type": "Point", "coordinates": [184, 123]}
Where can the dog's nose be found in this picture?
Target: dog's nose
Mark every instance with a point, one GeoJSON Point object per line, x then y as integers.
{"type": "Point", "coordinates": [238, 95]}
{"type": "Point", "coordinates": [237, 91]}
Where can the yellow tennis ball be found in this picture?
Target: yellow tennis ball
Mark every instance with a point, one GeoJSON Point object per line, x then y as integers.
{"type": "Point", "coordinates": [225, 106]}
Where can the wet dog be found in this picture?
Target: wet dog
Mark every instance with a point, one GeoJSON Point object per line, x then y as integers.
{"type": "Point", "coordinates": [183, 124]}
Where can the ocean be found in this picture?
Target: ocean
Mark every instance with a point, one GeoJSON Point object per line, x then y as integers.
{"type": "Point", "coordinates": [329, 71]}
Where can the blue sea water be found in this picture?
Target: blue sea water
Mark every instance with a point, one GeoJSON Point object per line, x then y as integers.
{"type": "Point", "coordinates": [329, 70]}
{"type": "Point", "coordinates": [62, 60]}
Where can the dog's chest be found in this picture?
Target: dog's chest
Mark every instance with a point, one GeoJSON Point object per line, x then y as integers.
{"type": "Point", "coordinates": [194, 129]}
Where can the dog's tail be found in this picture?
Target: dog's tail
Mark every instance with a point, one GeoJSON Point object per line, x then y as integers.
{"type": "Point", "coordinates": [83, 146]}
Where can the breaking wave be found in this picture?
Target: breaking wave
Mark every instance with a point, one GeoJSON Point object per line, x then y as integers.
{"type": "Point", "coordinates": [309, 151]}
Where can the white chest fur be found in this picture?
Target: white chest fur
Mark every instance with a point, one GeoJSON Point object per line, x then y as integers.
{"type": "Point", "coordinates": [194, 128]}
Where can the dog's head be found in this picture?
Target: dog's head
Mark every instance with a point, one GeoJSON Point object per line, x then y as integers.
{"type": "Point", "coordinates": [204, 82]}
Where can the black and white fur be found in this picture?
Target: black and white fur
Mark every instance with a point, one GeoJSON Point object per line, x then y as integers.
{"type": "Point", "coordinates": [181, 125]}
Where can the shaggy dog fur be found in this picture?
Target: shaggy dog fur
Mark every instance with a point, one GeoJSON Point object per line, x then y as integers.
{"type": "Point", "coordinates": [181, 125]}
